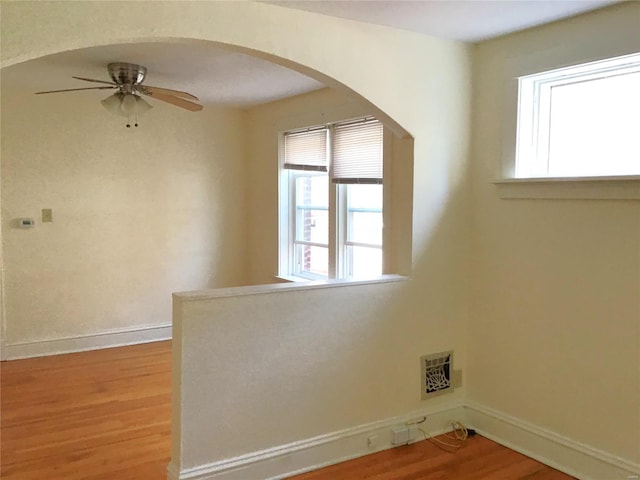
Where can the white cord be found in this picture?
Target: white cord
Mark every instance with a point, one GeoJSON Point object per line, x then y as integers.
{"type": "Point", "coordinates": [457, 436]}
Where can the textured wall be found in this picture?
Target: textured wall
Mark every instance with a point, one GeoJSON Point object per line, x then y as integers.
{"type": "Point", "coordinates": [420, 82]}
{"type": "Point", "coordinates": [555, 324]}
{"type": "Point", "coordinates": [266, 369]}
{"type": "Point", "coordinates": [137, 213]}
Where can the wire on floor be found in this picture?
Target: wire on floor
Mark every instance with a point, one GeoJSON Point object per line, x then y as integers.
{"type": "Point", "coordinates": [453, 440]}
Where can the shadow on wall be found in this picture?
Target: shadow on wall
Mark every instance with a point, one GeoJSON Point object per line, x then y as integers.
{"type": "Point", "coordinates": [270, 368]}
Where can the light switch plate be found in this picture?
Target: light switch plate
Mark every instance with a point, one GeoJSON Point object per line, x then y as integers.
{"type": "Point", "coordinates": [47, 215]}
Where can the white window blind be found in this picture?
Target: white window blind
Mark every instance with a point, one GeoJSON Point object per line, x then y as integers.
{"type": "Point", "coordinates": [357, 152]}
{"type": "Point", "coordinates": [306, 150]}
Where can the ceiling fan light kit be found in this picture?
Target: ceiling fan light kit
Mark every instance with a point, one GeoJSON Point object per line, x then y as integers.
{"type": "Point", "coordinates": [127, 78]}
{"type": "Point", "coordinates": [127, 105]}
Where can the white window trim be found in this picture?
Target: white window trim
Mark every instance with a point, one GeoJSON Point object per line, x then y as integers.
{"type": "Point", "coordinates": [508, 186]}
{"type": "Point", "coordinates": [291, 240]}
{"type": "Point", "coordinates": [534, 105]}
{"type": "Point", "coordinates": [342, 206]}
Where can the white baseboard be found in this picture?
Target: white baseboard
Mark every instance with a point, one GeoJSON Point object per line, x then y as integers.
{"type": "Point", "coordinates": [116, 338]}
{"type": "Point", "coordinates": [574, 458]}
{"type": "Point", "coordinates": [317, 452]}
{"type": "Point", "coordinates": [562, 453]}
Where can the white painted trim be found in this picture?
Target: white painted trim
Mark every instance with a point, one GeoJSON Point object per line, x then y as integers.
{"type": "Point", "coordinates": [562, 453]}
{"type": "Point", "coordinates": [173, 472]}
{"type": "Point", "coordinates": [81, 343]}
{"type": "Point", "coordinates": [203, 295]}
{"type": "Point", "coordinates": [3, 328]}
{"type": "Point", "coordinates": [298, 457]}
{"type": "Point", "coordinates": [572, 188]}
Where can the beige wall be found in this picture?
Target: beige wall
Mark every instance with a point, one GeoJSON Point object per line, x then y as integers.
{"type": "Point", "coordinates": [264, 125]}
{"type": "Point", "coordinates": [263, 368]}
{"type": "Point", "coordinates": [555, 306]}
{"type": "Point", "coordinates": [420, 82]}
{"type": "Point", "coordinates": [552, 286]}
{"type": "Point", "coordinates": [137, 213]}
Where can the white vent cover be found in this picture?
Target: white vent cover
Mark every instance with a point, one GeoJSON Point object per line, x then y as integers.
{"type": "Point", "coordinates": [436, 371]}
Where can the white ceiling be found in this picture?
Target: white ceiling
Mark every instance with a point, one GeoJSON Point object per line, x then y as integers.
{"type": "Point", "coordinates": [463, 20]}
{"type": "Point", "coordinates": [219, 76]}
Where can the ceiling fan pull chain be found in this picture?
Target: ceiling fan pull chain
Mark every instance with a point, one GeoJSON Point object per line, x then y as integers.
{"type": "Point", "coordinates": [135, 113]}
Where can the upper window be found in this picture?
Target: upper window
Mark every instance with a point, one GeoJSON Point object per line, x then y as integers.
{"type": "Point", "coordinates": [580, 121]}
{"type": "Point", "coordinates": [331, 213]}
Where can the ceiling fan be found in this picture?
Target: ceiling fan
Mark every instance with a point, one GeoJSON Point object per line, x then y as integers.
{"type": "Point", "coordinates": [127, 78]}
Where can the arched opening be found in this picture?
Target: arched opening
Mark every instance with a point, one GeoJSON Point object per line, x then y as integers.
{"type": "Point", "coordinates": [187, 201]}
{"type": "Point", "coordinates": [419, 81]}
{"type": "Point", "coordinates": [184, 202]}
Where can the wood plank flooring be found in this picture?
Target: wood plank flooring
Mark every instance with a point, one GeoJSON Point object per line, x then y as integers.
{"type": "Point", "coordinates": [105, 415]}
{"type": "Point", "coordinates": [478, 459]}
{"type": "Point", "coordinates": [95, 415]}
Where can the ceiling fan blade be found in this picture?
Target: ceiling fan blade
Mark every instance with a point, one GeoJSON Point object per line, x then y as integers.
{"type": "Point", "coordinates": [178, 102]}
{"type": "Point", "coordinates": [76, 89]}
{"type": "Point", "coordinates": [176, 93]}
{"type": "Point", "coordinates": [92, 80]}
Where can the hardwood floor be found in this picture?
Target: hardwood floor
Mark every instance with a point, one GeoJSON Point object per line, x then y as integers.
{"type": "Point", "coordinates": [478, 459]}
{"type": "Point", "coordinates": [105, 415]}
{"type": "Point", "coordinates": [92, 416]}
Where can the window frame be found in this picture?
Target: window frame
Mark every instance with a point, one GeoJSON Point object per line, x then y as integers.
{"type": "Point", "coordinates": [506, 185]}
{"type": "Point", "coordinates": [337, 213]}
{"type": "Point", "coordinates": [346, 265]}
{"type": "Point", "coordinates": [293, 241]}
{"type": "Point", "coordinates": [534, 105]}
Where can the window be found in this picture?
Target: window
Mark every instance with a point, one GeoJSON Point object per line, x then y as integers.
{"type": "Point", "coordinates": [580, 121]}
{"type": "Point", "coordinates": [331, 213]}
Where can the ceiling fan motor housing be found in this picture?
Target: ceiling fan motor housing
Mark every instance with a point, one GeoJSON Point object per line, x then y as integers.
{"type": "Point", "coordinates": [127, 73]}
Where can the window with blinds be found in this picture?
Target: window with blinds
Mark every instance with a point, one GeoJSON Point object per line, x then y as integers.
{"type": "Point", "coordinates": [331, 214]}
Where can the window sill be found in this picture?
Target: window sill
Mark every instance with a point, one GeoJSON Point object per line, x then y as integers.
{"type": "Point", "coordinates": [570, 188]}
{"type": "Point", "coordinates": [290, 279]}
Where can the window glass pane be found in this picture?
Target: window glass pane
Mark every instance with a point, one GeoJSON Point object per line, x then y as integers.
{"type": "Point", "coordinates": [312, 259]}
{"type": "Point", "coordinates": [365, 196]}
{"type": "Point", "coordinates": [594, 127]}
{"type": "Point", "coordinates": [364, 214]}
{"type": "Point", "coordinates": [312, 226]}
{"type": "Point", "coordinates": [312, 190]}
{"type": "Point", "coordinates": [312, 202]}
{"type": "Point", "coordinates": [364, 261]}
{"type": "Point", "coordinates": [365, 227]}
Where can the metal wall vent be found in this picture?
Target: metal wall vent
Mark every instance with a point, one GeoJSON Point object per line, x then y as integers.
{"type": "Point", "coordinates": [437, 370]}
